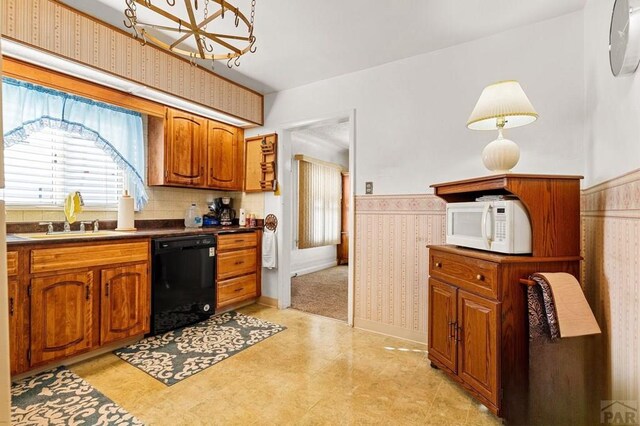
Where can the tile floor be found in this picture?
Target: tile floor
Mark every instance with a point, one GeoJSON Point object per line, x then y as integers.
{"type": "Point", "coordinates": [318, 371]}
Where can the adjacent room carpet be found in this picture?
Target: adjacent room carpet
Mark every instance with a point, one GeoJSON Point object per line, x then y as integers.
{"type": "Point", "coordinates": [181, 353]}
{"type": "Point", "coordinates": [62, 398]}
{"type": "Point", "coordinates": [322, 293]}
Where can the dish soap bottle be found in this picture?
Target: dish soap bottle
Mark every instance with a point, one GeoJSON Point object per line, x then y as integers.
{"type": "Point", "coordinates": [191, 217]}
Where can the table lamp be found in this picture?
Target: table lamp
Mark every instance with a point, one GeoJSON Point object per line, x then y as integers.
{"type": "Point", "coordinates": [502, 105]}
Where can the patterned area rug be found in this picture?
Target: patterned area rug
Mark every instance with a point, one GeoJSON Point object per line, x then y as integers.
{"type": "Point", "coordinates": [322, 293]}
{"type": "Point", "coordinates": [59, 397]}
{"type": "Point", "coordinates": [181, 353]}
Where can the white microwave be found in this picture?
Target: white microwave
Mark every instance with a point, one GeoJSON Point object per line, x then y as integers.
{"type": "Point", "coordinates": [501, 226]}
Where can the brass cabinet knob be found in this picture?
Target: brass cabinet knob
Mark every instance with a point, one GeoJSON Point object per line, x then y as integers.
{"type": "Point", "coordinates": [438, 265]}
{"type": "Point", "coordinates": [480, 277]}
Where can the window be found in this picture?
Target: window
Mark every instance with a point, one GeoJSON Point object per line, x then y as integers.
{"type": "Point", "coordinates": [319, 197]}
{"type": "Point", "coordinates": [57, 143]}
{"type": "Point", "coordinates": [58, 163]}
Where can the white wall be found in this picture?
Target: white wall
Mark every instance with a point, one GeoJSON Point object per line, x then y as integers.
{"type": "Point", "coordinates": [411, 114]}
{"type": "Point", "coordinates": [313, 259]}
{"type": "Point", "coordinates": [612, 122]}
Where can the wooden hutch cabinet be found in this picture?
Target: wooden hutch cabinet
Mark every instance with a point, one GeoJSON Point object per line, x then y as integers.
{"type": "Point", "coordinates": [478, 321]}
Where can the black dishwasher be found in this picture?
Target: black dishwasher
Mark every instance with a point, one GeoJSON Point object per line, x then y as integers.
{"type": "Point", "coordinates": [183, 281]}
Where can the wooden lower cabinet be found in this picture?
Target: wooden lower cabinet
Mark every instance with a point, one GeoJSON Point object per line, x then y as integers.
{"type": "Point", "coordinates": [238, 268]}
{"type": "Point", "coordinates": [61, 316]}
{"type": "Point", "coordinates": [477, 339]}
{"type": "Point", "coordinates": [442, 318]}
{"type": "Point", "coordinates": [69, 299]}
{"type": "Point", "coordinates": [477, 323]}
{"type": "Point", "coordinates": [124, 302]}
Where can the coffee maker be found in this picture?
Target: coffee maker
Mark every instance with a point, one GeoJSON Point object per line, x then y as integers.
{"type": "Point", "coordinates": [220, 213]}
{"type": "Point", "coordinates": [227, 214]}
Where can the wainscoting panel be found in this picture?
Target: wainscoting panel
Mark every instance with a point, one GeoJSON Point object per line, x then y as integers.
{"type": "Point", "coordinates": [611, 280]}
{"type": "Point", "coordinates": [56, 28]}
{"type": "Point", "coordinates": [391, 262]}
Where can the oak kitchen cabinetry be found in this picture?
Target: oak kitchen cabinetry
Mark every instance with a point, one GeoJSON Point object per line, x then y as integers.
{"type": "Point", "coordinates": [77, 298]}
{"type": "Point", "coordinates": [478, 323]}
{"type": "Point", "coordinates": [190, 151]}
{"type": "Point", "coordinates": [238, 268]}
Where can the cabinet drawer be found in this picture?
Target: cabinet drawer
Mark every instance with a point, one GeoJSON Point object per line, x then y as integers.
{"type": "Point", "coordinates": [83, 256]}
{"type": "Point", "coordinates": [236, 263]}
{"type": "Point", "coordinates": [475, 275]}
{"type": "Point", "coordinates": [236, 290]}
{"type": "Point", "coordinates": [237, 241]}
{"type": "Point", "coordinates": [12, 263]}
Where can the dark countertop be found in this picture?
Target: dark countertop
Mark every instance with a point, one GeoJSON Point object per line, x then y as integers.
{"type": "Point", "coordinates": [14, 240]}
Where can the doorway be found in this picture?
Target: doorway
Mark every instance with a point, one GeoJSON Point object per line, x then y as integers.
{"type": "Point", "coordinates": [288, 206]}
{"type": "Point", "coordinates": [320, 200]}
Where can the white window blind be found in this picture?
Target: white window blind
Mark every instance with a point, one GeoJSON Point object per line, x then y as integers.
{"type": "Point", "coordinates": [319, 203]}
{"type": "Point", "coordinates": [40, 171]}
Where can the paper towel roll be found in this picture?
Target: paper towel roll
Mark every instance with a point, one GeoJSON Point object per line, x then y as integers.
{"type": "Point", "coordinates": [125, 213]}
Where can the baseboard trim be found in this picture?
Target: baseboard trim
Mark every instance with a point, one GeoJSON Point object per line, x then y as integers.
{"type": "Point", "coordinates": [390, 330]}
{"type": "Point", "coordinates": [268, 301]}
{"type": "Point", "coordinates": [314, 268]}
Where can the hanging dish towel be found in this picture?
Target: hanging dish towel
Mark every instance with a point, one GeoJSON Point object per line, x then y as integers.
{"type": "Point", "coordinates": [269, 250]}
{"type": "Point", "coordinates": [558, 308]}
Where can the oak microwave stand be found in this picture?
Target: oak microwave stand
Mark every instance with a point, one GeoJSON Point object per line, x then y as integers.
{"type": "Point", "coordinates": [478, 323]}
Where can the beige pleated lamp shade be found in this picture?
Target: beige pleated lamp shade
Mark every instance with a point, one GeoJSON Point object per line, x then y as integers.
{"type": "Point", "coordinates": [504, 99]}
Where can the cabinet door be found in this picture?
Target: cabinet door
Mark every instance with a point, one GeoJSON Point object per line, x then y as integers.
{"type": "Point", "coordinates": [185, 149]}
{"type": "Point", "coordinates": [442, 318]}
{"type": "Point", "coordinates": [61, 316]}
{"type": "Point", "coordinates": [14, 328]}
{"type": "Point", "coordinates": [478, 357]}
{"type": "Point", "coordinates": [225, 156]}
{"type": "Point", "coordinates": [124, 303]}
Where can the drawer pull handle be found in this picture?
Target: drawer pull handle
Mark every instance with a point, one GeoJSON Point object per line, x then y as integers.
{"type": "Point", "coordinates": [438, 265]}
{"type": "Point", "coordinates": [480, 277]}
{"type": "Point", "coordinates": [452, 332]}
{"type": "Point", "coordinates": [239, 262]}
{"type": "Point", "coordinates": [239, 289]}
{"type": "Point", "coordinates": [239, 241]}
{"type": "Point", "coordinates": [11, 306]}
{"type": "Point", "coordinates": [87, 293]}
{"type": "Point", "coordinates": [106, 292]}
{"type": "Point", "coordinates": [458, 334]}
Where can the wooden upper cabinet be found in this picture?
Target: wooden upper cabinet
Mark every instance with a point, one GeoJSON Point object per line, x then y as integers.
{"type": "Point", "coordinates": [225, 156]}
{"type": "Point", "coordinates": [478, 339]}
{"type": "Point", "coordinates": [186, 140]}
{"type": "Point", "coordinates": [124, 302]}
{"type": "Point", "coordinates": [191, 151]}
{"type": "Point", "coordinates": [442, 321]}
{"type": "Point", "coordinates": [61, 316]}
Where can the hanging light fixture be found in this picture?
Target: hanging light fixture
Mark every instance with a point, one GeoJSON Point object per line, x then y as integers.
{"type": "Point", "coordinates": [184, 27]}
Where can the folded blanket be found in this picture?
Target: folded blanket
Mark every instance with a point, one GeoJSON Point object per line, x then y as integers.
{"type": "Point", "coordinates": [558, 308]}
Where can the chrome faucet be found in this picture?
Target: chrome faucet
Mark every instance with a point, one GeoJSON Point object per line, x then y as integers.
{"type": "Point", "coordinates": [67, 226]}
{"type": "Point", "coordinates": [96, 225]}
{"type": "Point", "coordinates": [49, 226]}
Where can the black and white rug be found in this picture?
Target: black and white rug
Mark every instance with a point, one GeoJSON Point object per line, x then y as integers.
{"type": "Point", "coordinates": [181, 353]}
{"type": "Point", "coordinates": [59, 397]}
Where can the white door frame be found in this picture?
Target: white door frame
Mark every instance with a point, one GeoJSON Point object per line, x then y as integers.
{"type": "Point", "coordinates": [286, 181]}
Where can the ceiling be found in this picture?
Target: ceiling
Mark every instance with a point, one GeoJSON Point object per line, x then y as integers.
{"type": "Point", "coordinates": [303, 41]}
{"type": "Point", "coordinates": [335, 135]}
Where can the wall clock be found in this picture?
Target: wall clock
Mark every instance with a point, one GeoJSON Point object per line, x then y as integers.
{"type": "Point", "coordinates": [624, 37]}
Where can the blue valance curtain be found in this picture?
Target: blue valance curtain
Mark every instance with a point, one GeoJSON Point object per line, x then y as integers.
{"type": "Point", "coordinates": [28, 108]}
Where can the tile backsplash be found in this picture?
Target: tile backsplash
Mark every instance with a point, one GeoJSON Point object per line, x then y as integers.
{"type": "Point", "coordinates": [164, 203]}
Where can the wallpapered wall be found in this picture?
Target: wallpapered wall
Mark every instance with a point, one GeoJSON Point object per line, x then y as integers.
{"type": "Point", "coordinates": [391, 262]}
{"type": "Point", "coordinates": [611, 280]}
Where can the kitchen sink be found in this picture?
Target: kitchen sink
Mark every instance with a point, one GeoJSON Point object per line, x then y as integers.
{"type": "Point", "coordinates": [70, 235]}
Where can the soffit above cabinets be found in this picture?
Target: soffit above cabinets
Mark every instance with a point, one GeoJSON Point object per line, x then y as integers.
{"type": "Point", "coordinates": [304, 41]}
{"type": "Point", "coordinates": [50, 27]}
